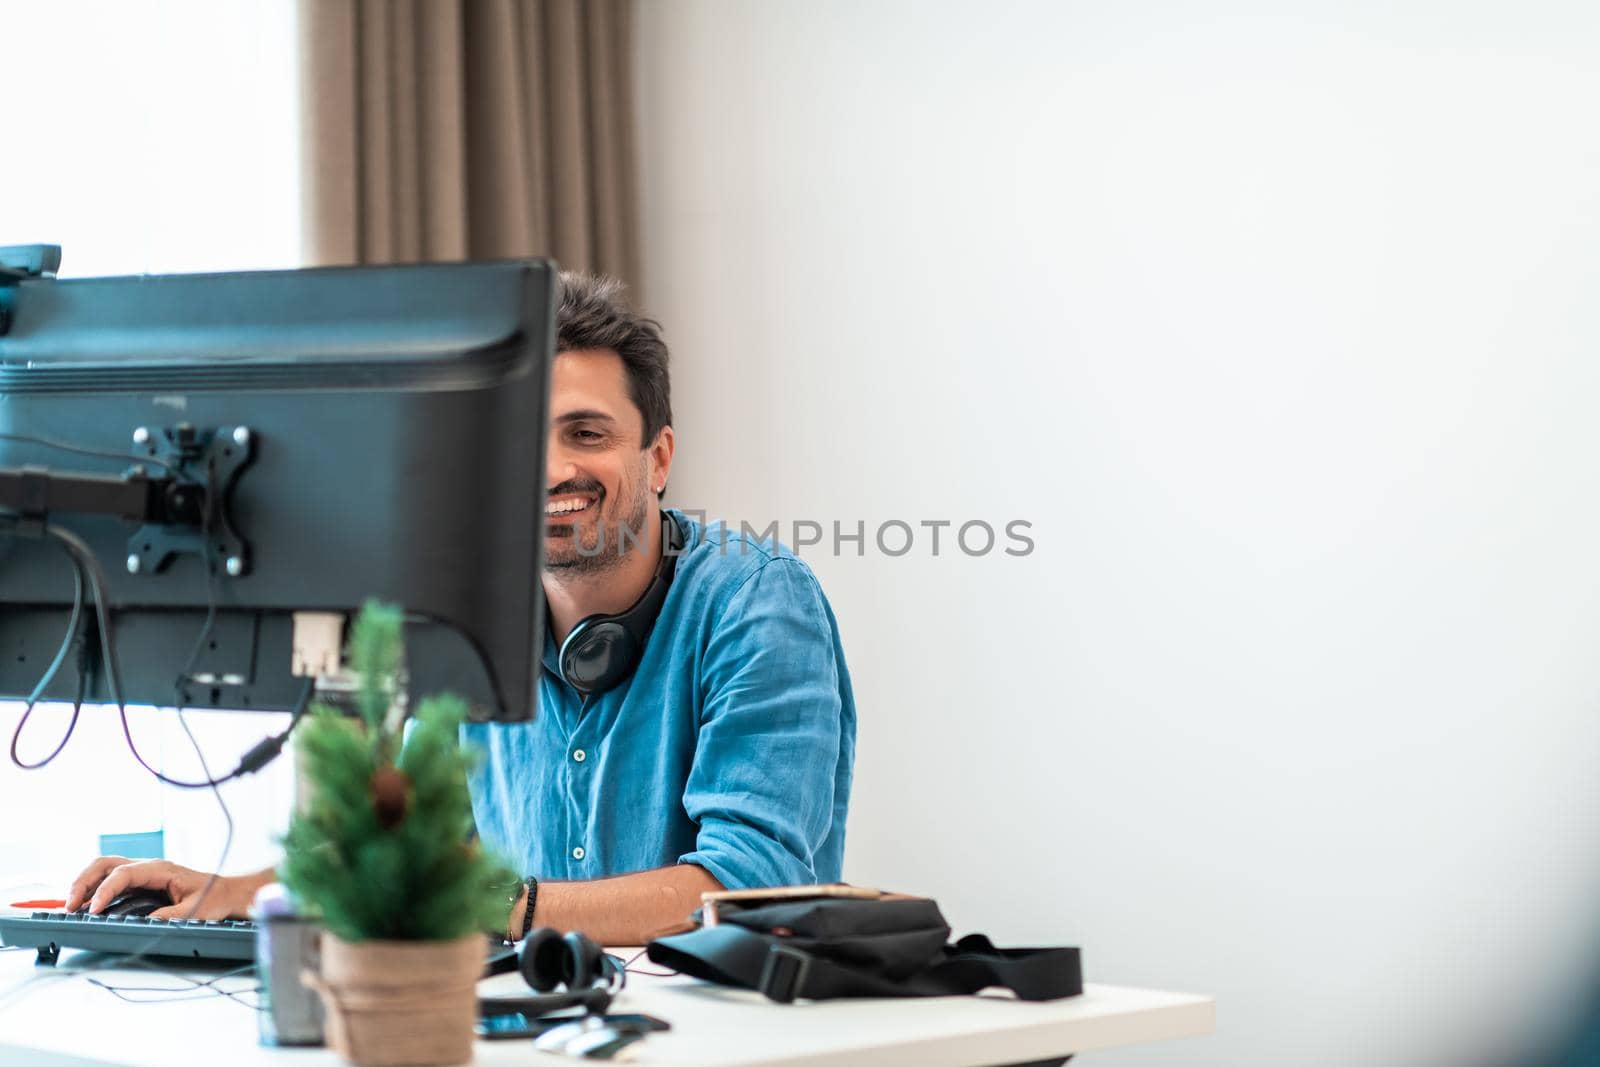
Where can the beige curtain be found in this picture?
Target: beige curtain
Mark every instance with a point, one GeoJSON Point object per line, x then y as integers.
{"type": "Point", "coordinates": [468, 129]}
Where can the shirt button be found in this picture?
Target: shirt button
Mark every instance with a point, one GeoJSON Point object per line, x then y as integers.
{"type": "Point", "coordinates": [578, 755]}
{"type": "Point", "coordinates": [577, 853]}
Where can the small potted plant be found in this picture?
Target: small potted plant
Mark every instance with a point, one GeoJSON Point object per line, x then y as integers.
{"type": "Point", "coordinates": [383, 855]}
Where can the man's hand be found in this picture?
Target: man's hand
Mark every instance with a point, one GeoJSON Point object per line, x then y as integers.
{"type": "Point", "coordinates": [110, 876]}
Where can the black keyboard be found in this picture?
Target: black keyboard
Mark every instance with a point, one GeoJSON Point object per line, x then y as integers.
{"type": "Point", "coordinates": [201, 939]}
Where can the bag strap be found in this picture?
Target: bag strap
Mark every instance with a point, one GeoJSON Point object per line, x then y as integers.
{"type": "Point", "coordinates": [736, 956]}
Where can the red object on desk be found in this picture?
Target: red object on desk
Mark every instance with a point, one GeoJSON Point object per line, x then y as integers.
{"type": "Point", "coordinates": [40, 904]}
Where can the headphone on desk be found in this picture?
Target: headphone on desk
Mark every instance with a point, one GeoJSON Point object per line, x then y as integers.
{"type": "Point", "coordinates": [549, 958]}
{"type": "Point", "coordinates": [565, 971]}
{"type": "Point", "coordinates": [602, 650]}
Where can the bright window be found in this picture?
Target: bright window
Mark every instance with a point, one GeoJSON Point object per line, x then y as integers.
{"type": "Point", "coordinates": [146, 138]}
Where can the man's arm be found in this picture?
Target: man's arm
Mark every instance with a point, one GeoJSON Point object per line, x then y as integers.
{"type": "Point", "coordinates": [629, 909]}
{"type": "Point", "coordinates": [762, 785]}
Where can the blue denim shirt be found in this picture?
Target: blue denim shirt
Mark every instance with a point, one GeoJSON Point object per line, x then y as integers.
{"type": "Point", "coordinates": [730, 747]}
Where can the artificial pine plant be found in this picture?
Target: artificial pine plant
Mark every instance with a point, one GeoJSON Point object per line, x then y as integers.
{"type": "Point", "coordinates": [385, 849]}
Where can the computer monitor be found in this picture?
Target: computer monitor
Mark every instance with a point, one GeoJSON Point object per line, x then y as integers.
{"type": "Point", "coordinates": [319, 437]}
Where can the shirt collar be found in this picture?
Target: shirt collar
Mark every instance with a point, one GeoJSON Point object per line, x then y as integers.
{"type": "Point", "coordinates": [552, 661]}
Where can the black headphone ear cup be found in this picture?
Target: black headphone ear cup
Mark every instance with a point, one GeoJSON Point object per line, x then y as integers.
{"type": "Point", "coordinates": [542, 959]}
{"type": "Point", "coordinates": [582, 960]}
{"type": "Point", "coordinates": [598, 653]}
{"type": "Point", "coordinates": [602, 650]}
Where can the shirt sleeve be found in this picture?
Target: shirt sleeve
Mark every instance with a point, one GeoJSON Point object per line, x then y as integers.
{"type": "Point", "coordinates": [761, 785]}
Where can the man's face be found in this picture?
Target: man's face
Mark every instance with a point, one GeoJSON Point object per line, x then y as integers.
{"type": "Point", "coordinates": [599, 474]}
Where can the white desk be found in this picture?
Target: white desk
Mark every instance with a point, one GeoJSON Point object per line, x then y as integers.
{"type": "Point", "coordinates": [50, 1017]}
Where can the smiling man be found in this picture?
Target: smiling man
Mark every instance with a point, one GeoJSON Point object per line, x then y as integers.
{"type": "Point", "coordinates": [723, 758]}
{"type": "Point", "coordinates": [696, 727]}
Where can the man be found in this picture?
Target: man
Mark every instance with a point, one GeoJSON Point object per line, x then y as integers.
{"type": "Point", "coordinates": [723, 760]}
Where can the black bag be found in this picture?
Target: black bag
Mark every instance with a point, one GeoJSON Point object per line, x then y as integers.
{"type": "Point", "coordinates": [822, 948]}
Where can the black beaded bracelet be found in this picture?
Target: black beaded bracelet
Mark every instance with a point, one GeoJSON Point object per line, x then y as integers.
{"type": "Point", "coordinates": [527, 916]}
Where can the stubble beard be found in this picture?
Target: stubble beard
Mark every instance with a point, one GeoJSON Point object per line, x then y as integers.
{"type": "Point", "coordinates": [587, 549]}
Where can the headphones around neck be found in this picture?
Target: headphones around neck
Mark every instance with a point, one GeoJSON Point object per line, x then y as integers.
{"type": "Point", "coordinates": [602, 650]}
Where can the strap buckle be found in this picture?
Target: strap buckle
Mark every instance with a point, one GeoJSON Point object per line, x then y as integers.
{"type": "Point", "coordinates": [784, 973]}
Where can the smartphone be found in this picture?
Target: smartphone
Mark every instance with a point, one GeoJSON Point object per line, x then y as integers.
{"type": "Point", "coordinates": [516, 1024]}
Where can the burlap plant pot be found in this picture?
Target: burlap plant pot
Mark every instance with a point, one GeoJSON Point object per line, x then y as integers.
{"type": "Point", "coordinates": [400, 1003]}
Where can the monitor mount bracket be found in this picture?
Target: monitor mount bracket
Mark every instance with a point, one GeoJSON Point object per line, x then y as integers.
{"type": "Point", "coordinates": [178, 509]}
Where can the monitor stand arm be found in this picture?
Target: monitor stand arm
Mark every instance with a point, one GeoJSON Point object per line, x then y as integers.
{"type": "Point", "coordinates": [177, 511]}
{"type": "Point", "coordinates": [19, 263]}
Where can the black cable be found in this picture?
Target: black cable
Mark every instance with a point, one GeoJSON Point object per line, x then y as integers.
{"type": "Point", "coordinates": [85, 563]}
{"type": "Point", "coordinates": [72, 635]}
{"type": "Point", "coordinates": [86, 567]}
{"type": "Point", "coordinates": [72, 725]}
{"type": "Point", "coordinates": [629, 968]}
{"type": "Point", "coordinates": [193, 982]}
{"type": "Point", "coordinates": [96, 576]}
{"type": "Point", "coordinates": [90, 565]}
{"type": "Point", "coordinates": [195, 990]}
{"type": "Point", "coordinates": [208, 559]}
{"type": "Point", "coordinates": [180, 994]}
{"type": "Point", "coordinates": [78, 450]}
{"type": "Point", "coordinates": [227, 818]}
{"type": "Point", "coordinates": [257, 757]}
{"type": "Point", "coordinates": [178, 693]}
{"type": "Point", "coordinates": [265, 751]}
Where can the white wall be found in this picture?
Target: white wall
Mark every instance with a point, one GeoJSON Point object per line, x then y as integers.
{"type": "Point", "coordinates": [1278, 322]}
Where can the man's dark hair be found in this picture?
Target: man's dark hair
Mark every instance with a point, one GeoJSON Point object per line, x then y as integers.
{"type": "Point", "coordinates": [594, 314]}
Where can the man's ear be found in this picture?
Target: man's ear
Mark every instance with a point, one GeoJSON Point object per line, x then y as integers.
{"type": "Point", "coordinates": [661, 450]}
